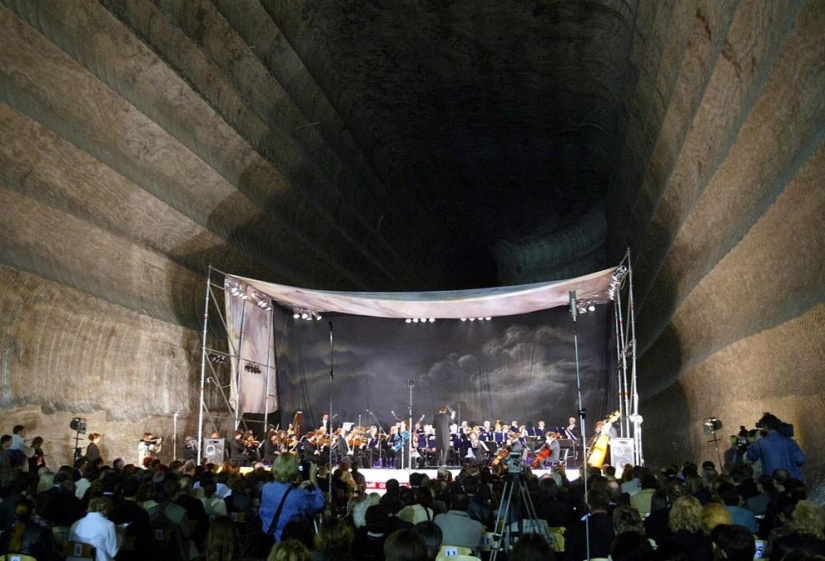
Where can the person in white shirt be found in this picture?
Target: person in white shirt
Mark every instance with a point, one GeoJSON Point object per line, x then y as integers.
{"type": "Point", "coordinates": [96, 530]}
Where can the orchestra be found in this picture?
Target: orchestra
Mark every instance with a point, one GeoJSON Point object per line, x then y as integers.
{"type": "Point", "coordinates": [484, 443]}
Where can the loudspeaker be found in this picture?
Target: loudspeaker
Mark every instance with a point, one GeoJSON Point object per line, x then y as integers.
{"type": "Point", "coordinates": [213, 450]}
{"type": "Point", "coordinates": [621, 452]}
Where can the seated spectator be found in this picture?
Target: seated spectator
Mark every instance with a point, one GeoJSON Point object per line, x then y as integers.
{"type": "Point", "coordinates": [631, 546]}
{"type": "Point", "coordinates": [599, 529]}
{"type": "Point", "coordinates": [128, 511]}
{"type": "Point", "coordinates": [212, 504]}
{"type": "Point", "coordinates": [59, 504]}
{"type": "Point", "coordinates": [735, 541]}
{"type": "Point", "coordinates": [221, 540]}
{"type": "Point", "coordinates": [96, 530]}
{"type": "Point", "coordinates": [433, 537]}
{"type": "Point", "coordinates": [289, 550]}
{"type": "Point", "coordinates": [734, 503]}
{"type": "Point", "coordinates": [405, 545]}
{"type": "Point", "coordinates": [713, 515]}
{"type": "Point", "coordinates": [627, 519]}
{"type": "Point", "coordinates": [457, 527]}
{"type": "Point", "coordinates": [532, 547]}
{"type": "Point", "coordinates": [807, 531]}
{"type": "Point", "coordinates": [687, 529]}
{"type": "Point", "coordinates": [641, 500]}
{"type": "Point", "coordinates": [27, 536]}
{"type": "Point", "coordinates": [420, 510]}
{"type": "Point", "coordinates": [334, 540]}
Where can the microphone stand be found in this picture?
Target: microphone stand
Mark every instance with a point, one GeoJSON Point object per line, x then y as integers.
{"type": "Point", "coordinates": [411, 385]}
{"type": "Point", "coordinates": [574, 314]}
{"type": "Point", "coordinates": [381, 434]}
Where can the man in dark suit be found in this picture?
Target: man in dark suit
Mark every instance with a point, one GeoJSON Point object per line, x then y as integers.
{"type": "Point", "coordinates": [441, 424]}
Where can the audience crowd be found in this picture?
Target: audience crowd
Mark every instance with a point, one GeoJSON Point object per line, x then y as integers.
{"type": "Point", "coordinates": [300, 511]}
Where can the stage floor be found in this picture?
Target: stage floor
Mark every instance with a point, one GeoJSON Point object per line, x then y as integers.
{"type": "Point", "coordinates": [376, 479]}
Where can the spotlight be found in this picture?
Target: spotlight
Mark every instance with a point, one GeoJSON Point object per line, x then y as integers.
{"type": "Point", "coordinates": [472, 319]}
{"type": "Point", "coordinates": [217, 358]}
{"type": "Point", "coordinates": [488, 318]}
{"type": "Point", "coordinates": [252, 368]}
{"type": "Point", "coordinates": [591, 307]}
{"type": "Point", "coordinates": [296, 315]}
{"type": "Point", "coordinates": [234, 287]}
{"type": "Point", "coordinates": [432, 320]}
{"type": "Point", "coordinates": [408, 320]}
{"type": "Point", "coordinates": [463, 319]}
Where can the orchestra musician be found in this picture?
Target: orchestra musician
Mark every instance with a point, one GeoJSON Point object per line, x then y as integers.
{"type": "Point", "coordinates": [549, 455]}
{"type": "Point", "coordinates": [570, 430]}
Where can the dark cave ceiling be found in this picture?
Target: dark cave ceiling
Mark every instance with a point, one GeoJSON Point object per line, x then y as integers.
{"type": "Point", "coordinates": [488, 122]}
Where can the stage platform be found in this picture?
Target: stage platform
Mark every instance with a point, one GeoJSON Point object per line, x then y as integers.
{"type": "Point", "coordinates": [376, 479]}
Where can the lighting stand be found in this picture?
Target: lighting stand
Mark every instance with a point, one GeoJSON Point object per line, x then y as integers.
{"type": "Point", "coordinates": [582, 425]}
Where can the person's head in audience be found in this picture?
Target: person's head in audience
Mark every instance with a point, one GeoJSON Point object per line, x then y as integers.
{"type": "Point", "coordinates": [102, 505]}
{"type": "Point", "coordinates": [631, 546]}
{"type": "Point", "coordinates": [289, 550]}
{"type": "Point", "coordinates": [809, 518]}
{"type": "Point", "coordinates": [378, 519]}
{"type": "Point", "coordinates": [285, 468]}
{"type": "Point", "coordinates": [627, 519]}
{"type": "Point", "coordinates": [334, 539]}
{"type": "Point", "coordinates": [432, 537]}
{"type": "Point", "coordinates": [300, 529]}
{"type": "Point", "coordinates": [532, 547]}
{"type": "Point", "coordinates": [598, 501]}
{"type": "Point", "coordinates": [734, 541]}
{"type": "Point", "coordinates": [221, 540]}
{"type": "Point", "coordinates": [686, 514]}
{"type": "Point", "coordinates": [713, 515]}
{"type": "Point", "coordinates": [405, 545]}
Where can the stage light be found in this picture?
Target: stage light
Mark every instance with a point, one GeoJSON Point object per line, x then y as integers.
{"type": "Point", "coordinates": [296, 315]}
{"type": "Point", "coordinates": [261, 300]}
{"type": "Point", "coordinates": [463, 319]}
{"type": "Point", "coordinates": [591, 307]}
{"type": "Point", "coordinates": [234, 287]}
{"type": "Point", "coordinates": [408, 320]}
{"type": "Point", "coordinates": [432, 320]}
{"type": "Point", "coordinates": [472, 319]}
{"type": "Point", "coordinates": [488, 318]}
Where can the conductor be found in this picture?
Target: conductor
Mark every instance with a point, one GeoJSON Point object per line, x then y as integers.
{"type": "Point", "coordinates": [441, 424]}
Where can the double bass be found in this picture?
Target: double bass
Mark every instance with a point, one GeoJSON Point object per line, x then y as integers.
{"type": "Point", "coordinates": [598, 446]}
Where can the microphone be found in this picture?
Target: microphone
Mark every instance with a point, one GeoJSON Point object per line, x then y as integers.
{"type": "Point", "coordinates": [573, 307]}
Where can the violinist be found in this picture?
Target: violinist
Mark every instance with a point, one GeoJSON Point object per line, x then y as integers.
{"type": "Point", "coordinates": [237, 448]}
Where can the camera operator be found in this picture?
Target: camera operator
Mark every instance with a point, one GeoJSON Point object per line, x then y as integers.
{"type": "Point", "coordinates": [776, 450]}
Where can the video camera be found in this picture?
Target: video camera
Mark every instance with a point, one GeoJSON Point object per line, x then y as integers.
{"type": "Point", "coordinates": [772, 422]}
{"type": "Point", "coordinates": [513, 463]}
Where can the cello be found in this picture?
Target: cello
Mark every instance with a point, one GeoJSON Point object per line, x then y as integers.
{"type": "Point", "coordinates": [598, 446]}
{"type": "Point", "coordinates": [544, 451]}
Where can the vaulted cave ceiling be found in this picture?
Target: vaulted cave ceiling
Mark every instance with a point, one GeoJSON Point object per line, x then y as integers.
{"type": "Point", "coordinates": [414, 145]}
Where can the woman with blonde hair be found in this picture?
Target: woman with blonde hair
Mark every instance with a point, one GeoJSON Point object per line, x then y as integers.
{"type": "Point", "coordinates": [221, 540]}
{"type": "Point", "coordinates": [289, 550]}
{"type": "Point", "coordinates": [687, 527]}
{"type": "Point", "coordinates": [807, 531]}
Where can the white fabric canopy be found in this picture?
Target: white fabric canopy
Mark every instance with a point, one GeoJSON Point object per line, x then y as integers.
{"type": "Point", "coordinates": [493, 302]}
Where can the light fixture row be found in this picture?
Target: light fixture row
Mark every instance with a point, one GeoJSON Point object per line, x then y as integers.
{"type": "Point", "coordinates": [487, 318]}
{"type": "Point", "coordinates": [420, 320]}
{"type": "Point", "coordinates": [304, 313]}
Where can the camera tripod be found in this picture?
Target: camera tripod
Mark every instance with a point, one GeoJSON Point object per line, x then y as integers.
{"type": "Point", "coordinates": [508, 516]}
